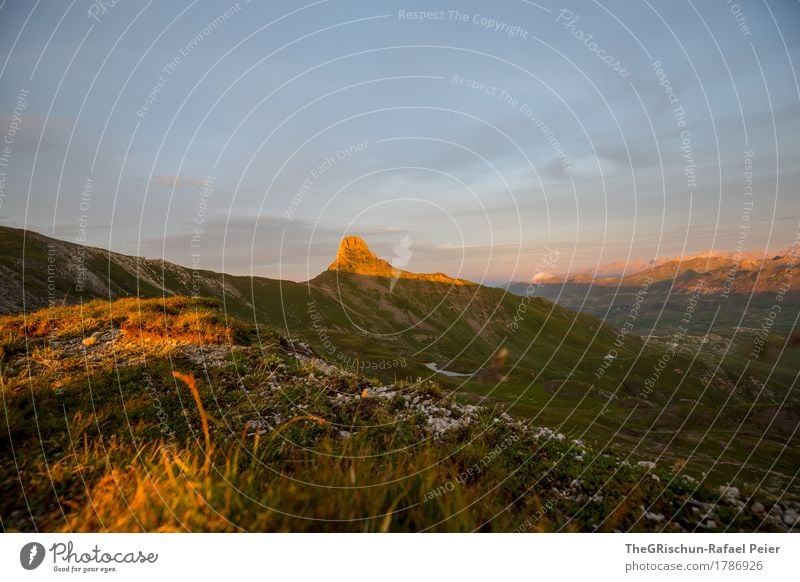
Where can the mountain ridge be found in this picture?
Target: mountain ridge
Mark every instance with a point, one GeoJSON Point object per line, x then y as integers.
{"type": "Point", "coordinates": [354, 256]}
{"type": "Point", "coordinates": [736, 268]}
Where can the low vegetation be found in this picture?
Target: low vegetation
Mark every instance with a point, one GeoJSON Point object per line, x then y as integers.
{"type": "Point", "coordinates": [176, 417]}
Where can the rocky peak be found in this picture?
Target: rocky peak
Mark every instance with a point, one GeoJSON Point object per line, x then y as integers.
{"type": "Point", "coordinates": [354, 256]}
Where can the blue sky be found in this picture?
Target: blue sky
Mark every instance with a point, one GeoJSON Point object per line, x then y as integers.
{"type": "Point", "coordinates": [487, 136]}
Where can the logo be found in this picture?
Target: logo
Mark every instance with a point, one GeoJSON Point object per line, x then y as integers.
{"type": "Point", "coordinates": [402, 255]}
{"type": "Point", "coordinates": [31, 555]}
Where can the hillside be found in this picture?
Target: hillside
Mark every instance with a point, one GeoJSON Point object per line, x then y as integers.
{"type": "Point", "coordinates": [168, 415]}
{"type": "Point", "coordinates": [56, 272]}
{"type": "Point", "coordinates": [360, 310]}
{"type": "Point", "coordinates": [538, 360]}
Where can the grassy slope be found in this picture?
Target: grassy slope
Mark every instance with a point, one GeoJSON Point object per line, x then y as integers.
{"type": "Point", "coordinates": [549, 374]}
{"type": "Point", "coordinates": [549, 369]}
{"type": "Point", "coordinates": [104, 437]}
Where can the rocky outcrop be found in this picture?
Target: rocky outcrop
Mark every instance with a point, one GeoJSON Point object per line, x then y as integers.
{"type": "Point", "coordinates": [354, 256]}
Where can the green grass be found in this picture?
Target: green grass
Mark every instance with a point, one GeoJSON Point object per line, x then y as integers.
{"type": "Point", "coordinates": [107, 439]}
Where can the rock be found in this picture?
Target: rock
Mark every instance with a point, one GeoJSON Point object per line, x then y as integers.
{"type": "Point", "coordinates": [354, 256]}
{"type": "Point", "coordinates": [757, 507]}
{"type": "Point", "coordinates": [730, 493]}
{"type": "Point", "coordinates": [700, 505]}
{"type": "Point", "coordinates": [647, 464]}
{"type": "Point", "coordinates": [791, 517]}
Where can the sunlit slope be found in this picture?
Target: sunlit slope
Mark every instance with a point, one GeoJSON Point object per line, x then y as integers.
{"type": "Point", "coordinates": [169, 415]}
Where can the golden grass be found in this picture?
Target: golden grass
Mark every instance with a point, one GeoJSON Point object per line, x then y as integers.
{"type": "Point", "coordinates": [159, 493]}
{"type": "Point", "coordinates": [188, 379]}
{"type": "Point", "coordinates": [111, 466]}
{"type": "Point", "coordinates": [181, 319]}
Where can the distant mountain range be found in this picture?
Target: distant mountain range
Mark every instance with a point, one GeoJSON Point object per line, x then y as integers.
{"type": "Point", "coordinates": [744, 287]}
{"type": "Point", "coordinates": [752, 272]}
{"type": "Point", "coordinates": [620, 268]}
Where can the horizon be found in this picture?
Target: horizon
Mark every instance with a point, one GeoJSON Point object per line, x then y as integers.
{"type": "Point", "coordinates": [611, 268]}
{"type": "Point", "coordinates": [251, 139]}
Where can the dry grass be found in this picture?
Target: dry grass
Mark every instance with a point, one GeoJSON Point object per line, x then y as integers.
{"type": "Point", "coordinates": [115, 449]}
{"type": "Point", "coordinates": [188, 379]}
{"type": "Point", "coordinates": [157, 492]}
{"type": "Point", "coordinates": [175, 318]}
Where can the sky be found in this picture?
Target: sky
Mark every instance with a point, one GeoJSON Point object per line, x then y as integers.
{"type": "Point", "coordinates": [501, 139]}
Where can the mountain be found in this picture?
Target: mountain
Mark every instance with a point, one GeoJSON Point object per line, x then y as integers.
{"type": "Point", "coordinates": [170, 415]}
{"type": "Point", "coordinates": [539, 360]}
{"type": "Point", "coordinates": [37, 271]}
{"type": "Point", "coordinates": [365, 308]}
{"type": "Point", "coordinates": [736, 291]}
{"type": "Point", "coordinates": [668, 268]}
{"type": "Point", "coordinates": [355, 257]}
